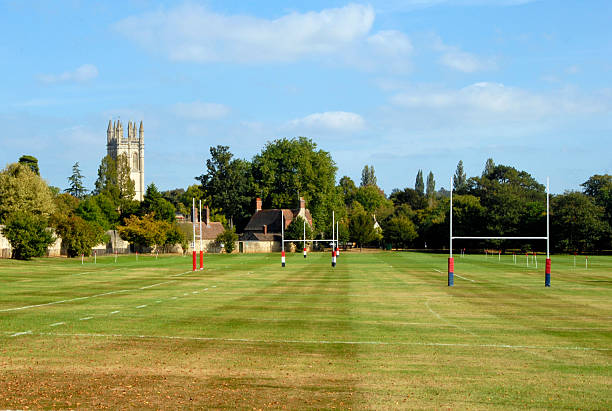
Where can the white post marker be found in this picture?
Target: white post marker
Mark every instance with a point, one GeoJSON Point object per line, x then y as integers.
{"type": "Point", "coordinates": [282, 238]}
{"type": "Point", "coordinates": [201, 245]}
{"type": "Point", "coordinates": [115, 256]}
{"type": "Point", "coordinates": [333, 239]}
{"type": "Point", "coordinates": [586, 262]}
{"type": "Point", "coordinates": [304, 238]}
{"type": "Point", "coordinates": [95, 257]}
{"type": "Point", "coordinates": [337, 238]}
{"type": "Point", "coordinates": [82, 259]}
{"type": "Point", "coordinates": [535, 259]}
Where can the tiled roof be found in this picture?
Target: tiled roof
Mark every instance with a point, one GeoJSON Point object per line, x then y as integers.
{"type": "Point", "coordinates": [272, 219]}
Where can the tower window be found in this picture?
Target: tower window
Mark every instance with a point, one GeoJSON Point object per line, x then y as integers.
{"type": "Point", "coordinates": [135, 162]}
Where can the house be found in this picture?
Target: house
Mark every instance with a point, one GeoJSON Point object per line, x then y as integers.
{"type": "Point", "coordinates": [263, 232]}
{"type": "Point", "coordinates": [210, 231]}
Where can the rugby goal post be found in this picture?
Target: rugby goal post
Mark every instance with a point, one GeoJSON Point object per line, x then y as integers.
{"type": "Point", "coordinates": [451, 263]}
{"type": "Point", "coordinates": [334, 240]}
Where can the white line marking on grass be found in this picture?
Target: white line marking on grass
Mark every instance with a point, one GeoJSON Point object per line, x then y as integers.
{"type": "Point", "coordinates": [142, 306]}
{"type": "Point", "coordinates": [81, 298]}
{"type": "Point", "coordinates": [56, 324]}
{"type": "Point", "coordinates": [456, 275]}
{"type": "Point", "coordinates": [325, 342]}
{"type": "Point", "coordinates": [114, 312]}
{"type": "Point", "coordinates": [179, 274]}
{"type": "Point", "coordinates": [21, 333]}
{"type": "Point", "coordinates": [448, 322]}
{"type": "Point", "coordinates": [174, 298]}
{"type": "Point", "coordinates": [155, 285]}
{"type": "Point", "coordinates": [195, 292]}
{"type": "Point", "coordinates": [85, 318]}
{"type": "Point", "coordinates": [158, 301]}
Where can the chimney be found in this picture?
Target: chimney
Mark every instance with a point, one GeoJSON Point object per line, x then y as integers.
{"type": "Point", "coordinates": [265, 228]}
{"type": "Point", "coordinates": [257, 204]}
{"type": "Point", "coordinates": [302, 204]}
{"type": "Point", "coordinates": [207, 216]}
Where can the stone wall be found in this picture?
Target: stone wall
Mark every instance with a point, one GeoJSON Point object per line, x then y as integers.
{"type": "Point", "coordinates": [259, 247]}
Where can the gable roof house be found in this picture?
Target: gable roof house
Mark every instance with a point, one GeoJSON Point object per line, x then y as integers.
{"type": "Point", "coordinates": [263, 232]}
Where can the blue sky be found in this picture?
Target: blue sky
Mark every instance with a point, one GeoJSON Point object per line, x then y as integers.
{"type": "Point", "coordinates": [401, 85]}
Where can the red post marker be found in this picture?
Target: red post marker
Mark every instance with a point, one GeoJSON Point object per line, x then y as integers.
{"type": "Point", "coordinates": [194, 260]}
{"type": "Point", "coordinates": [451, 271]}
{"type": "Point", "coordinates": [547, 273]}
{"type": "Point", "coordinates": [333, 257]}
{"type": "Point", "coordinates": [283, 258]}
{"type": "Point", "coordinates": [201, 260]}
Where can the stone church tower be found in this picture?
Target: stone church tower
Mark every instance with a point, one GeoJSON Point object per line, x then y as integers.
{"type": "Point", "coordinates": [133, 147]}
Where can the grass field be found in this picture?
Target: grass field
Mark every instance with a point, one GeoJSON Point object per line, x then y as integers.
{"type": "Point", "coordinates": [379, 331]}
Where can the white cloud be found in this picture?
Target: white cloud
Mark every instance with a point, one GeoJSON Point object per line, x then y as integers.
{"type": "Point", "coordinates": [390, 42]}
{"type": "Point", "coordinates": [81, 74]}
{"type": "Point", "coordinates": [192, 32]}
{"type": "Point", "coordinates": [491, 103]}
{"type": "Point", "coordinates": [198, 110]}
{"type": "Point", "coordinates": [341, 121]}
{"type": "Point", "coordinates": [466, 62]}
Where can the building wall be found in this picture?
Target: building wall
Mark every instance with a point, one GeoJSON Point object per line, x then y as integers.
{"type": "Point", "coordinates": [259, 247]}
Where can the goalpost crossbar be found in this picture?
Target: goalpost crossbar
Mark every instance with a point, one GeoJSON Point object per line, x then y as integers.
{"type": "Point", "coordinates": [500, 238]}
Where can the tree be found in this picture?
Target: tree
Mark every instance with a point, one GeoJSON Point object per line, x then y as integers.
{"type": "Point", "coordinates": [489, 167]}
{"type": "Point", "coordinates": [144, 231]}
{"type": "Point", "coordinates": [367, 176]}
{"type": "Point", "coordinates": [577, 223]}
{"type": "Point", "coordinates": [114, 179]}
{"type": "Point", "coordinates": [295, 230]}
{"type": "Point", "coordinates": [371, 198]}
{"type": "Point", "coordinates": [408, 196]}
{"type": "Point", "coordinates": [347, 188]}
{"type": "Point", "coordinates": [419, 186]}
{"type": "Point", "coordinates": [154, 203]}
{"type": "Point", "coordinates": [79, 236]}
{"type": "Point", "coordinates": [76, 188]}
{"type": "Point", "coordinates": [228, 184]}
{"type": "Point", "coordinates": [287, 169]}
{"type": "Point", "coordinates": [431, 185]}
{"type": "Point", "coordinates": [399, 231]}
{"type": "Point", "coordinates": [27, 234]}
{"type": "Point", "coordinates": [460, 178]}
{"type": "Point", "coordinates": [21, 189]}
{"type": "Point", "coordinates": [599, 187]}
{"type": "Point", "coordinates": [31, 162]}
{"type": "Point", "coordinates": [228, 238]}
{"type": "Point", "coordinates": [361, 228]}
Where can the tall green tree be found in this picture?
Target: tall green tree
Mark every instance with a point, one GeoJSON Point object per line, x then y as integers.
{"type": "Point", "coordinates": [228, 184]}
{"type": "Point", "coordinates": [21, 189]}
{"type": "Point", "coordinates": [28, 234]}
{"type": "Point", "coordinates": [599, 188]}
{"type": "Point", "coordinates": [419, 185]}
{"type": "Point", "coordinates": [347, 189]}
{"type": "Point", "coordinates": [460, 178]}
{"type": "Point", "coordinates": [413, 198]}
{"type": "Point", "coordinates": [578, 223]}
{"type": "Point", "coordinates": [31, 162]}
{"type": "Point", "coordinates": [76, 189]}
{"type": "Point", "coordinates": [287, 169]}
{"type": "Point", "coordinates": [431, 185]}
{"type": "Point", "coordinates": [361, 228]}
{"type": "Point", "coordinates": [114, 179]}
{"type": "Point", "coordinates": [154, 203]}
{"type": "Point", "coordinates": [489, 167]}
{"type": "Point", "coordinates": [368, 178]}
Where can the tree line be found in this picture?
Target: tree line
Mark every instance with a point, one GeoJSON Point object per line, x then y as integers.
{"type": "Point", "coordinates": [502, 201]}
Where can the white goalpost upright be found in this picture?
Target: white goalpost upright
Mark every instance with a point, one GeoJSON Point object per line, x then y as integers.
{"type": "Point", "coordinates": [451, 264]}
{"type": "Point", "coordinates": [197, 219]}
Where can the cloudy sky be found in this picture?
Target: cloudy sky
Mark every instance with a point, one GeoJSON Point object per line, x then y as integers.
{"type": "Point", "coordinates": [402, 85]}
